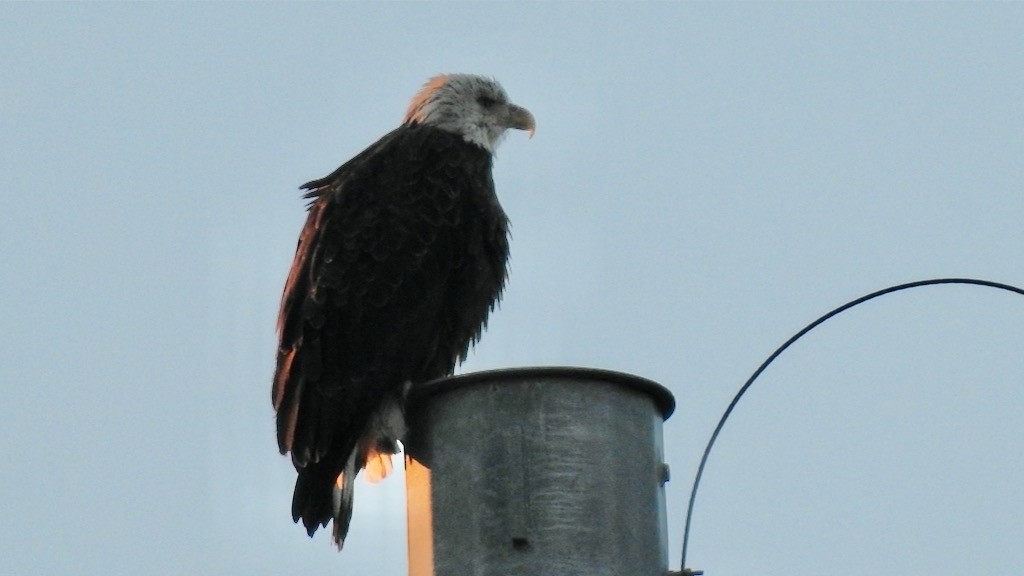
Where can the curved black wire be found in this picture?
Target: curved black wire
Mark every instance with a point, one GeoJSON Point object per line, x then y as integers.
{"type": "Point", "coordinates": [794, 338]}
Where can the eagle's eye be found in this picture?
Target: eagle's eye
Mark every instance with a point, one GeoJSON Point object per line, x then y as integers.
{"type": "Point", "coordinates": [486, 101]}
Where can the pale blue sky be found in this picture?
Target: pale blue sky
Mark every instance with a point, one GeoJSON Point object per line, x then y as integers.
{"type": "Point", "coordinates": [705, 180]}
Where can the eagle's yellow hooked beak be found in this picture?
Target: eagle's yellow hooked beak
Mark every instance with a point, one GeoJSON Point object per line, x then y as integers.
{"type": "Point", "coordinates": [520, 119]}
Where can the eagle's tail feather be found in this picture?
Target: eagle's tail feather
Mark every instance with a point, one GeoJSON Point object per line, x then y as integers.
{"type": "Point", "coordinates": [341, 495]}
{"type": "Point", "coordinates": [322, 495]}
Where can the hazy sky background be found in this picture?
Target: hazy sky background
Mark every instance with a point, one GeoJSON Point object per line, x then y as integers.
{"type": "Point", "coordinates": [705, 180]}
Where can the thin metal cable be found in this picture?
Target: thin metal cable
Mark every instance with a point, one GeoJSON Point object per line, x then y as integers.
{"type": "Point", "coordinates": [781, 349]}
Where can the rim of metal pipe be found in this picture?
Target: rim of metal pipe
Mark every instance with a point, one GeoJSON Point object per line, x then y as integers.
{"type": "Point", "coordinates": [662, 397]}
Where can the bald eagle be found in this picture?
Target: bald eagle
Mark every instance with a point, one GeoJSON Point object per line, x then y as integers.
{"type": "Point", "coordinates": [403, 255]}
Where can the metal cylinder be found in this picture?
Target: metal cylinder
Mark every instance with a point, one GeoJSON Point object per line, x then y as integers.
{"type": "Point", "coordinates": [549, 471]}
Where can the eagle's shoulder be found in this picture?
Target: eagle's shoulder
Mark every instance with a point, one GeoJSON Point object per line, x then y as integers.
{"type": "Point", "coordinates": [408, 149]}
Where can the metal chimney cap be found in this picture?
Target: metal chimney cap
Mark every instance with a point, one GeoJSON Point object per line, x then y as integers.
{"type": "Point", "coordinates": [664, 400]}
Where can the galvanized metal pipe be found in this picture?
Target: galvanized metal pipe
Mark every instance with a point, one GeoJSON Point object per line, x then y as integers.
{"type": "Point", "coordinates": [548, 471]}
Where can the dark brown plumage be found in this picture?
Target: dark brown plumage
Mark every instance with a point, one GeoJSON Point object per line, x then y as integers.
{"type": "Point", "coordinates": [402, 257]}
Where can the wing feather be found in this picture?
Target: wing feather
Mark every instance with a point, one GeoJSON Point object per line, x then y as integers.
{"type": "Point", "coordinates": [388, 285]}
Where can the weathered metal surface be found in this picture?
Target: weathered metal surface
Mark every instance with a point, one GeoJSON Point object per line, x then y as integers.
{"type": "Point", "coordinates": [539, 472]}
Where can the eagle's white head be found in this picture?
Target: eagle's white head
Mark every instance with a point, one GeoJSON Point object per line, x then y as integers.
{"type": "Point", "coordinates": [470, 105]}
